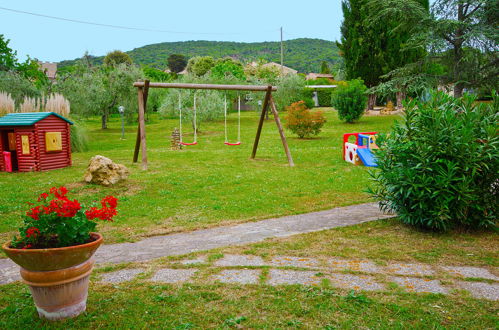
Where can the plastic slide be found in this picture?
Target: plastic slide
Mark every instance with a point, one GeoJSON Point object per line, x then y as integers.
{"type": "Point", "coordinates": [367, 157]}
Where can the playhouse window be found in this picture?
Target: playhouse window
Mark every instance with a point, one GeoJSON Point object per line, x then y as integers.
{"type": "Point", "coordinates": [53, 141]}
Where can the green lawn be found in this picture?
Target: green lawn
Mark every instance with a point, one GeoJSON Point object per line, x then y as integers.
{"type": "Point", "coordinates": [202, 304]}
{"type": "Point", "coordinates": [205, 185]}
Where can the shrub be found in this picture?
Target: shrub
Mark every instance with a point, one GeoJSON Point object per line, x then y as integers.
{"type": "Point", "coordinates": [228, 67]}
{"type": "Point", "coordinates": [350, 100]}
{"type": "Point", "coordinates": [303, 122]}
{"type": "Point", "coordinates": [439, 168]}
{"type": "Point", "coordinates": [200, 65]}
{"type": "Point", "coordinates": [79, 138]}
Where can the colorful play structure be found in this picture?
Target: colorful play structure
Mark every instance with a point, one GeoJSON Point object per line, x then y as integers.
{"type": "Point", "coordinates": [34, 141]}
{"type": "Point", "coordinates": [360, 152]}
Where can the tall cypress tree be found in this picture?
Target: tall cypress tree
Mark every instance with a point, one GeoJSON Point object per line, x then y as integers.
{"type": "Point", "coordinates": [370, 51]}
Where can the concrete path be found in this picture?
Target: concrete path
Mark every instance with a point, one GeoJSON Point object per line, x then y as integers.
{"type": "Point", "coordinates": [200, 240]}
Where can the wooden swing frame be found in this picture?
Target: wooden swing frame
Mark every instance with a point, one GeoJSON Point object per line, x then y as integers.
{"type": "Point", "coordinates": [143, 91]}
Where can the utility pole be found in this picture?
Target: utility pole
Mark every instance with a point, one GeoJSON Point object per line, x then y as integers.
{"type": "Point", "coordinates": [282, 55]}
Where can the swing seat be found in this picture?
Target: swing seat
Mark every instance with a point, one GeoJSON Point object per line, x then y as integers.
{"type": "Point", "coordinates": [232, 144]}
{"type": "Point", "coordinates": [188, 144]}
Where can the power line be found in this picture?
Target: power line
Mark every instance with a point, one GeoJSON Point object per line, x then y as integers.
{"type": "Point", "coordinates": [118, 26]}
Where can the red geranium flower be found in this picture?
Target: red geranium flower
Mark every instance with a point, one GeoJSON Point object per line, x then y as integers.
{"type": "Point", "coordinates": [32, 232]}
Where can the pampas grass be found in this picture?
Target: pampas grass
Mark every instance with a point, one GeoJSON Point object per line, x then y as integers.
{"type": "Point", "coordinates": [7, 104]}
{"type": "Point", "coordinates": [30, 105]}
{"type": "Point", "coordinates": [58, 104]}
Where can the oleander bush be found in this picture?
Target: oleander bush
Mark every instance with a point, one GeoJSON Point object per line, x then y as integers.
{"type": "Point", "coordinates": [438, 169]}
{"type": "Point", "coordinates": [350, 100]}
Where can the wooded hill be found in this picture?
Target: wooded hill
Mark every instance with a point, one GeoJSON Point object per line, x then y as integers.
{"type": "Point", "coordinates": [304, 55]}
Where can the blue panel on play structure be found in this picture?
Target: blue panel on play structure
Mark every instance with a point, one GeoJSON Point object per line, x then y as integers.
{"type": "Point", "coordinates": [367, 157]}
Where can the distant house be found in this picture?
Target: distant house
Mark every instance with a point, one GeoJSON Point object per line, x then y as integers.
{"type": "Point", "coordinates": [285, 70]}
{"type": "Point", "coordinates": [314, 76]}
{"type": "Point", "coordinates": [50, 69]}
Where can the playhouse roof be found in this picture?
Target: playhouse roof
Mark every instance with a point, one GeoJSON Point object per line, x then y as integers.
{"type": "Point", "coordinates": [27, 118]}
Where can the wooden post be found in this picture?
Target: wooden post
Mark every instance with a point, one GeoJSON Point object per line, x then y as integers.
{"type": "Point", "coordinates": [268, 95]}
{"type": "Point", "coordinates": [281, 131]}
{"type": "Point", "coordinates": [137, 141]}
{"type": "Point", "coordinates": [142, 127]}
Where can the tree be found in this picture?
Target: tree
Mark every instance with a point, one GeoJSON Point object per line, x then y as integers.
{"type": "Point", "coordinates": [228, 67]}
{"type": "Point", "coordinates": [200, 65]}
{"type": "Point", "coordinates": [458, 34]}
{"type": "Point", "coordinates": [106, 87]}
{"type": "Point", "coordinates": [8, 59]}
{"type": "Point", "coordinates": [117, 57]}
{"type": "Point", "coordinates": [176, 62]}
{"type": "Point", "coordinates": [325, 67]}
{"type": "Point", "coordinates": [372, 50]}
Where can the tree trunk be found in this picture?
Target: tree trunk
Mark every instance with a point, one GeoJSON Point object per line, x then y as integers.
{"type": "Point", "coordinates": [400, 98]}
{"type": "Point", "coordinates": [371, 101]}
{"type": "Point", "coordinates": [458, 90]}
{"type": "Point", "coordinates": [458, 53]}
{"type": "Point", "coordinates": [104, 121]}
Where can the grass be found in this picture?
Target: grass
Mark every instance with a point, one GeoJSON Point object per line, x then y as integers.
{"type": "Point", "coordinates": [206, 185]}
{"type": "Point", "coordinates": [201, 304]}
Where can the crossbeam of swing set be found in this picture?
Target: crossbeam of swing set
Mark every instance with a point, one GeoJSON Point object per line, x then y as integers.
{"type": "Point", "coordinates": [143, 91]}
{"type": "Point", "coordinates": [250, 88]}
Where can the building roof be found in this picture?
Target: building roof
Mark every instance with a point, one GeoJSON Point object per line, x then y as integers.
{"type": "Point", "coordinates": [285, 69]}
{"type": "Point", "coordinates": [49, 68]}
{"type": "Point", "coordinates": [27, 118]}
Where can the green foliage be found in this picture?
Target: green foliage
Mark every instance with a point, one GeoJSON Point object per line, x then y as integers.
{"type": "Point", "coordinates": [106, 88]}
{"type": "Point", "coordinates": [350, 100]}
{"type": "Point", "coordinates": [79, 137]}
{"type": "Point", "coordinates": [290, 89]}
{"type": "Point", "coordinates": [29, 69]}
{"type": "Point", "coordinates": [17, 86]}
{"type": "Point", "coordinates": [439, 168]}
{"type": "Point", "coordinates": [157, 75]}
{"type": "Point", "coordinates": [117, 57]}
{"type": "Point", "coordinates": [304, 55]}
{"type": "Point", "coordinates": [176, 62]}
{"type": "Point", "coordinates": [325, 67]}
{"type": "Point", "coordinates": [323, 95]}
{"type": "Point", "coordinates": [268, 75]}
{"type": "Point", "coordinates": [302, 121]}
{"type": "Point", "coordinates": [372, 50]}
{"type": "Point", "coordinates": [200, 65]}
{"type": "Point", "coordinates": [460, 35]}
{"type": "Point", "coordinates": [209, 103]}
{"type": "Point", "coordinates": [8, 59]}
{"type": "Point", "coordinates": [228, 67]}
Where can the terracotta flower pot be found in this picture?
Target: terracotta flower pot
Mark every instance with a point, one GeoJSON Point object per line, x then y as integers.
{"type": "Point", "coordinates": [58, 277]}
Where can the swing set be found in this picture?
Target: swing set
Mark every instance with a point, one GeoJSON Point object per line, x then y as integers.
{"type": "Point", "coordinates": [194, 110]}
{"type": "Point", "coordinates": [143, 90]}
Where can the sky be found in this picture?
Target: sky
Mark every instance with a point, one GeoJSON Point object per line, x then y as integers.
{"type": "Point", "coordinates": [222, 20]}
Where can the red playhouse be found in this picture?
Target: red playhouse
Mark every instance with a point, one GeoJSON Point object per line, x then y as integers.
{"type": "Point", "coordinates": [34, 141]}
{"type": "Point", "coordinates": [359, 153]}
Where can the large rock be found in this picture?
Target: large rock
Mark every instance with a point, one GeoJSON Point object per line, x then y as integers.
{"type": "Point", "coordinates": [102, 170]}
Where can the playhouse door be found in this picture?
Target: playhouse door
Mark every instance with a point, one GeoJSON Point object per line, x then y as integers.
{"type": "Point", "coordinates": [9, 155]}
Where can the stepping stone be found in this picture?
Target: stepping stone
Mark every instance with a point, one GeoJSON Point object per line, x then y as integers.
{"type": "Point", "coordinates": [9, 272]}
{"type": "Point", "coordinates": [242, 276]}
{"type": "Point", "coordinates": [354, 265]}
{"type": "Point", "coordinates": [199, 260]}
{"type": "Point", "coordinates": [355, 282]}
{"type": "Point", "coordinates": [475, 272]}
{"type": "Point", "coordinates": [414, 284]}
{"type": "Point", "coordinates": [120, 276]}
{"type": "Point", "coordinates": [279, 276]}
{"type": "Point", "coordinates": [294, 262]}
{"type": "Point", "coordinates": [168, 275]}
{"type": "Point", "coordinates": [410, 269]}
{"type": "Point", "coordinates": [239, 260]}
{"type": "Point", "coordinates": [481, 290]}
